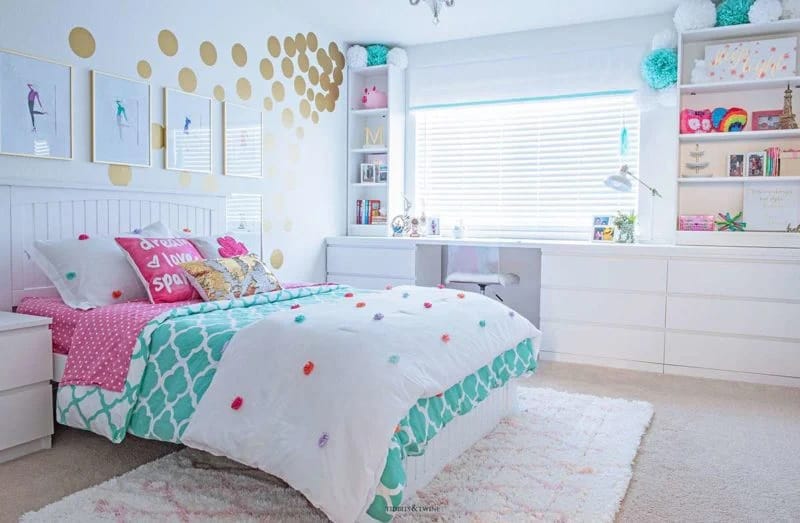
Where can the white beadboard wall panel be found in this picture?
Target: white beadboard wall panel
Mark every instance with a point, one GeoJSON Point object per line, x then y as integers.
{"type": "Point", "coordinates": [603, 341]}
{"type": "Point", "coordinates": [603, 307]}
{"type": "Point", "coordinates": [731, 316]}
{"type": "Point", "coordinates": [596, 272]}
{"type": "Point", "coordinates": [737, 279]}
{"type": "Point", "coordinates": [761, 356]}
{"type": "Point", "coordinates": [398, 263]}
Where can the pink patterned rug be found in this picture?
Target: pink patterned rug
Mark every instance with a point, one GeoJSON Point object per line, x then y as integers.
{"type": "Point", "coordinates": [565, 457]}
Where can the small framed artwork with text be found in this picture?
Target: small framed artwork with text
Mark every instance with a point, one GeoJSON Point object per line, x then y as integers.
{"type": "Point", "coordinates": [735, 165]}
{"type": "Point", "coordinates": [603, 229]}
{"type": "Point", "coordinates": [756, 163]}
{"type": "Point", "coordinates": [35, 107]}
{"type": "Point", "coordinates": [766, 120]}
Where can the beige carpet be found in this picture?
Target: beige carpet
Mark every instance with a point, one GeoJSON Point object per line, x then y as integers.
{"type": "Point", "coordinates": [715, 451]}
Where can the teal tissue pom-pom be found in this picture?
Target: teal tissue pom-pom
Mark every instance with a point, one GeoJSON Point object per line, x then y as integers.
{"type": "Point", "coordinates": [660, 68]}
{"type": "Point", "coordinates": [376, 54]}
{"type": "Point", "coordinates": [734, 12]}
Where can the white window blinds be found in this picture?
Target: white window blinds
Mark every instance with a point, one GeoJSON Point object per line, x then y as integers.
{"type": "Point", "coordinates": [525, 169]}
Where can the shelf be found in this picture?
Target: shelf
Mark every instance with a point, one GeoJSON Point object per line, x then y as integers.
{"type": "Point", "coordinates": [744, 85]}
{"type": "Point", "coordinates": [367, 230]}
{"type": "Point", "coordinates": [738, 239]}
{"type": "Point", "coordinates": [375, 70]}
{"type": "Point", "coordinates": [731, 32]}
{"type": "Point", "coordinates": [737, 179]}
{"type": "Point", "coordinates": [372, 150]}
{"type": "Point", "coordinates": [782, 134]}
{"type": "Point", "coordinates": [370, 112]}
{"type": "Point", "coordinates": [381, 184]}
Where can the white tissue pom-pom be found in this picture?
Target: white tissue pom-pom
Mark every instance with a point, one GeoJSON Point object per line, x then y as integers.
{"type": "Point", "coordinates": [397, 57]}
{"type": "Point", "coordinates": [666, 39]}
{"type": "Point", "coordinates": [791, 9]}
{"type": "Point", "coordinates": [764, 11]}
{"type": "Point", "coordinates": [357, 56]}
{"type": "Point", "coordinates": [695, 14]}
{"type": "Point", "coordinates": [668, 97]}
{"type": "Point", "coordinates": [699, 72]}
{"type": "Point", "coordinates": [647, 99]}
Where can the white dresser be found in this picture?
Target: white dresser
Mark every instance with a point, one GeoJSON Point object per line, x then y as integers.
{"type": "Point", "coordinates": [26, 396]}
{"type": "Point", "coordinates": [715, 312]}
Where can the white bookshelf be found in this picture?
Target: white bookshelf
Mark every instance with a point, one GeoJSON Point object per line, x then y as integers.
{"type": "Point", "coordinates": [392, 122]}
{"type": "Point", "coordinates": [713, 191]}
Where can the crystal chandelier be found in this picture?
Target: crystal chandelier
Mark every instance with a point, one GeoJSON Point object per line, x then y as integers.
{"type": "Point", "coordinates": [436, 6]}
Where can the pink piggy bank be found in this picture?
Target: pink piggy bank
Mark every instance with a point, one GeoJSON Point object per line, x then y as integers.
{"type": "Point", "coordinates": [374, 99]}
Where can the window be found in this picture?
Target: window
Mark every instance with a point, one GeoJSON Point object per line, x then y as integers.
{"type": "Point", "coordinates": [525, 169]}
{"type": "Point", "coordinates": [243, 218]}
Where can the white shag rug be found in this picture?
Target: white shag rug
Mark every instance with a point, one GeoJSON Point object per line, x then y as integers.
{"type": "Point", "coordinates": [565, 457]}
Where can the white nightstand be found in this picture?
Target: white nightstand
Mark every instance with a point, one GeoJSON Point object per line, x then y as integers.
{"type": "Point", "coordinates": [26, 397]}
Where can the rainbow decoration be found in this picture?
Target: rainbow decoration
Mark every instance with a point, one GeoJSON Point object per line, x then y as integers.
{"type": "Point", "coordinates": [734, 120]}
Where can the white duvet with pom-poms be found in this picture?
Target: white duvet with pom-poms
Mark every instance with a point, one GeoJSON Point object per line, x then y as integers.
{"type": "Point", "coordinates": [313, 395]}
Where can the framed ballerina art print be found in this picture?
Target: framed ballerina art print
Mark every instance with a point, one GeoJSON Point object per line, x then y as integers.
{"type": "Point", "coordinates": [187, 128]}
{"type": "Point", "coordinates": [120, 120]}
{"type": "Point", "coordinates": [35, 107]}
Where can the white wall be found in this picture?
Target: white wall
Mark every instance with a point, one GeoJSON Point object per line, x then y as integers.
{"type": "Point", "coordinates": [302, 189]}
{"type": "Point", "coordinates": [577, 59]}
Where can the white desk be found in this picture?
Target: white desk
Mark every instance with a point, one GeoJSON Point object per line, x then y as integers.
{"type": "Point", "coordinates": [719, 312]}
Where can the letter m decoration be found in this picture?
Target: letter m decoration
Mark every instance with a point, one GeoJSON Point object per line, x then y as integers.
{"type": "Point", "coordinates": [373, 138]}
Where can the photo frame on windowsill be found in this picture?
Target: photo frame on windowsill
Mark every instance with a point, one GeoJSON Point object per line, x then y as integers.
{"type": "Point", "coordinates": [36, 117]}
{"type": "Point", "coordinates": [121, 121]}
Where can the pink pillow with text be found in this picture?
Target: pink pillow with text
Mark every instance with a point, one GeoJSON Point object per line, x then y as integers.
{"type": "Point", "coordinates": [158, 261]}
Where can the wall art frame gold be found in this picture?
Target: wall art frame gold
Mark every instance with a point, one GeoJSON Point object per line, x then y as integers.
{"type": "Point", "coordinates": [147, 141]}
{"type": "Point", "coordinates": [70, 142]}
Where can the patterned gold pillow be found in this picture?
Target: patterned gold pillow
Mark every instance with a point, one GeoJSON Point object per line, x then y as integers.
{"type": "Point", "coordinates": [230, 278]}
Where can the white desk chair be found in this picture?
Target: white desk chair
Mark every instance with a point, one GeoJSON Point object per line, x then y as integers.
{"type": "Point", "coordinates": [477, 266]}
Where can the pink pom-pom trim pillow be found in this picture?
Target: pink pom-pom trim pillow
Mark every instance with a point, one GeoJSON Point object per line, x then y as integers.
{"type": "Point", "coordinates": [158, 261]}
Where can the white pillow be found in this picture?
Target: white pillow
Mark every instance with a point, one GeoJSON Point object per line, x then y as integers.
{"type": "Point", "coordinates": [210, 246]}
{"type": "Point", "coordinates": [93, 272]}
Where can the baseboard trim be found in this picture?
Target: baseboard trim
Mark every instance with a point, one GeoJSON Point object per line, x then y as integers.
{"type": "Point", "coordinates": [25, 448]}
{"type": "Point", "coordinates": [727, 375]}
{"type": "Point", "coordinates": [599, 361]}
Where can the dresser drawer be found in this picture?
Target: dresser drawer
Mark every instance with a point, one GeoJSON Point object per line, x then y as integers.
{"type": "Point", "coordinates": [27, 414]}
{"type": "Point", "coordinates": [778, 358]}
{"type": "Point", "coordinates": [371, 261]}
{"type": "Point", "coordinates": [598, 272]}
{"type": "Point", "coordinates": [735, 279]}
{"type": "Point", "coordinates": [603, 341]}
{"type": "Point", "coordinates": [613, 308]}
{"type": "Point", "coordinates": [728, 316]}
{"type": "Point", "coordinates": [25, 357]}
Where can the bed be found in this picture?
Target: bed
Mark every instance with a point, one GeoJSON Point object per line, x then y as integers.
{"type": "Point", "coordinates": [177, 378]}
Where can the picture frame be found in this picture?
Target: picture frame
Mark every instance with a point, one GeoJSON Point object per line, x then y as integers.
{"type": "Point", "coordinates": [382, 173]}
{"type": "Point", "coordinates": [36, 107]}
{"type": "Point", "coordinates": [242, 141]}
{"type": "Point", "coordinates": [121, 120]}
{"type": "Point", "coordinates": [735, 165]}
{"type": "Point", "coordinates": [368, 173]}
{"type": "Point", "coordinates": [755, 164]}
{"type": "Point", "coordinates": [766, 120]}
{"type": "Point", "coordinates": [603, 228]}
{"type": "Point", "coordinates": [188, 132]}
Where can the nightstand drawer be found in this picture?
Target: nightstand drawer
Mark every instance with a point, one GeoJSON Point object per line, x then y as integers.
{"type": "Point", "coordinates": [25, 357]}
{"type": "Point", "coordinates": [27, 414]}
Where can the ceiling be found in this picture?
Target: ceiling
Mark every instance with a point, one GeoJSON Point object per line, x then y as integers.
{"type": "Point", "coordinates": [397, 22]}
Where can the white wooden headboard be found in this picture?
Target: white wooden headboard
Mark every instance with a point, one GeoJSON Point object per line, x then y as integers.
{"type": "Point", "coordinates": [53, 213]}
